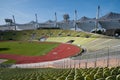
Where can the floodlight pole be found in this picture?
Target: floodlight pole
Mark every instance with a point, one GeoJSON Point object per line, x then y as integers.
{"type": "Point", "coordinates": [14, 22]}
{"type": "Point", "coordinates": [97, 17]}
{"type": "Point", "coordinates": [36, 20]}
{"type": "Point", "coordinates": [55, 19]}
{"type": "Point", "coordinates": [98, 11]}
{"type": "Point", "coordinates": [75, 20]}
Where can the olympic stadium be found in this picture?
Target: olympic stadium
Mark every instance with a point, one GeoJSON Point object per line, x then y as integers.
{"type": "Point", "coordinates": [82, 49]}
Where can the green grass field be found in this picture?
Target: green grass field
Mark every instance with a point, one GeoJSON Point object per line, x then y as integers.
{"type": "Point", "coordinates": [26, 48]}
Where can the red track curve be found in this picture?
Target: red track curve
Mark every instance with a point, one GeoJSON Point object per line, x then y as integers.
{"type": "Point", "coordinates": [62, 51]}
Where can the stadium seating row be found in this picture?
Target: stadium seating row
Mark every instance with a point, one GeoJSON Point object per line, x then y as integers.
{"type": "Point", "coordinates": [60, 74]}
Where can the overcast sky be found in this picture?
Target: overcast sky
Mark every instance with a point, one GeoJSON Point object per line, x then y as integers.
{"type": "Point", "coordinates": [24, 10]}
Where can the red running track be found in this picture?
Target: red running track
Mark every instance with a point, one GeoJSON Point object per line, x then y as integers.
{"type": "Point", "coordinates": [62, 51]}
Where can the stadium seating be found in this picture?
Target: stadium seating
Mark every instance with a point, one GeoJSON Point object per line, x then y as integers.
{"type": "Point", "coordinates": [60, 74]}
{"type": "Point", "coordinates": [89, 41]}
{"type": "Point", "coordinates": [27, 34]}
